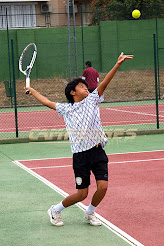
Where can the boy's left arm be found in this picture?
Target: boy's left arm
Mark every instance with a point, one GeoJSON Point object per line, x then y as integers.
{"type": "Point", "coordinates": [112, 72]}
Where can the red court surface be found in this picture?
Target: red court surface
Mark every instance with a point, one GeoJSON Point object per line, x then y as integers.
{"type": "Point", "coordinates": [135, 197]}
{"type": "Point", "coordinates": [110, 116]}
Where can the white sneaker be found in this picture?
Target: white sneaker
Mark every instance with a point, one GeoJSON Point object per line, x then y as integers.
{"type": "Point", "coordinates": [55, 217]}
{"type": "Point", "coordinates": [92, 219]}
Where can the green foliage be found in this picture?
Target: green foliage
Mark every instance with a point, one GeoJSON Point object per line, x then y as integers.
{"type": "Point", "coordinates": [122, 9]}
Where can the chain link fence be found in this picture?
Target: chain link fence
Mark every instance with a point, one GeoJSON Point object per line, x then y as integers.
{"type": "Point", "coordinates": [129, 104]}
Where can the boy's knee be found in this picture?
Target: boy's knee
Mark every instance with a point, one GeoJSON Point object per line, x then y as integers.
{"type": "Point", "coordinates": [82, 194]}
{"type": "Point", "coordinates": [102, 186]}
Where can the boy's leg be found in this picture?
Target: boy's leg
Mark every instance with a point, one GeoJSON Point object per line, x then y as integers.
{"type": "Point", "coordinates": [81, 194]}
{"type": "Point", "coordinates": [82, 178]}
{"type": "Point", "coordinates": [102, 186]}
{"type": "Point", "coordinates": [90, 217]}
{"type": "Point", "coordinates": [100, 171]}
{"type": "Point", "coordinates": [74, 198]}
{"type": "Point", "coordinates": [55, 211]}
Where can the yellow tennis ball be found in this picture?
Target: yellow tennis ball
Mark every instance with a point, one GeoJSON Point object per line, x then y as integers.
{"type": "Point", "coordinates": [136, 14]}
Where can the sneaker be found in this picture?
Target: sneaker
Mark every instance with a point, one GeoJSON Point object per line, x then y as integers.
{"type": "Point", "coordinates": [92, 219]}
{"type": "Point", "coordinates": [55, 217]}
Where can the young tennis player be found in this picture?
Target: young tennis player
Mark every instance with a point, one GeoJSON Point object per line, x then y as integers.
{"type": "Point", "coordinates": [87, 139]}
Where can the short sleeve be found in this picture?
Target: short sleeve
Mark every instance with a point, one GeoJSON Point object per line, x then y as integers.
{"type": "Point", "coordinates": [61, 108]}
{"type": "Point", "coordinates": [94, 96]}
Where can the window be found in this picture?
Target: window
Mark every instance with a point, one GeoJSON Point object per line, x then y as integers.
{"type": "Point", "coordinates": [18, 16]}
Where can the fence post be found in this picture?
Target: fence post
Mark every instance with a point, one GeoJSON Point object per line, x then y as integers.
{"type": "Point", "coordinates": [156, 20]}
{"type": "Point", "coordinates": [155, 73]}
{"type": "Point", "coordinates": [9, 57]}
{"type": "Point", "coordinates": [14, 87]}
{"type": "Point", "coordinates": [82, 35]}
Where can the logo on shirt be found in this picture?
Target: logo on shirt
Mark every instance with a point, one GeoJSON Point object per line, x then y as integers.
{"type": "Point", "coordinates": [78, 180]}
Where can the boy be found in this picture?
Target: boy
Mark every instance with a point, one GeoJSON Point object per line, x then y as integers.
{"type": "Point", "coordinates": [87, 139]}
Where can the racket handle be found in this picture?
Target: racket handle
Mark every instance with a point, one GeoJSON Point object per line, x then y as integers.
{"type": "Point", "coordinates": [27, 84]}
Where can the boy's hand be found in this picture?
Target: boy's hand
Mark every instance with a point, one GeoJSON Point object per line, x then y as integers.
{"type": "Point", "coordinates": [112, 72]}
{"type": "Point", "coordinates": [123, 57]}
{"type": "Point", "coordinates": [28, 89]}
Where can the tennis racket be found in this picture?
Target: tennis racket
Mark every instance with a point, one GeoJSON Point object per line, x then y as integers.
{"type": "Point", "coordinates": [26, 62]}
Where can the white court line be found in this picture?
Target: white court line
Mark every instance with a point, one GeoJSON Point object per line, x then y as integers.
{"type": "Point", "coordinates": [125, 153]}
{"type": "Point", "coordinates": [33, 168]}
{"type": "Point", "coordinates": [145, 160]}
{"type": "Point", "coordinates": [133, 112]}
{"type": "Point", "coordinates": [112, 162]}
{"type": "Point", "coordinates": [105, 222]}
{"type": "Point", "coordinates": [51, 158]}
{"type": "Point", "coordinates": [129, 122]}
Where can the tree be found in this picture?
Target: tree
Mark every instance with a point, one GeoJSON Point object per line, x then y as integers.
{"type": "Point", "coordinates": [122, 9]}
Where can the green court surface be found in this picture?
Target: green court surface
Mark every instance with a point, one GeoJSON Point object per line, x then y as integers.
{"type": "Point", "coordinates": [25, 199]}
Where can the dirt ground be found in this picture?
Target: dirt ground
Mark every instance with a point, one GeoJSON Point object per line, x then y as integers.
{"type": "Point", "coordinates": [126, 86]}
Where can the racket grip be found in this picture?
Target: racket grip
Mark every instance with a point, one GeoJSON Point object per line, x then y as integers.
{"type": "Point", "coordinates": [27, 82]}
{"type": "Point", "coordinates": [27, 85]}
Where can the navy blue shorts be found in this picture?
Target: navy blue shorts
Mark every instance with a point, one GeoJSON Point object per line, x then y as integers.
{"type": "Point", "coordinates": [94, 160]}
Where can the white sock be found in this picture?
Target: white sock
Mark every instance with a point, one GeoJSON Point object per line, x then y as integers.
{"type": "Point", "coordinates": [59, 207]}
{"type": "Point", "coordinates": [90, 209]}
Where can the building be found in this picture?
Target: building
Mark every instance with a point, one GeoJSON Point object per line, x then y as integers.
{"type": "Point", "coordinates": [40, 13]}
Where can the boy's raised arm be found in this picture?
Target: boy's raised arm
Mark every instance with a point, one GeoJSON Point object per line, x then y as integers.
{"type": "Point", "coordinates": [112, 72]}
{"type": "Point", "coordinates": [40, 98]}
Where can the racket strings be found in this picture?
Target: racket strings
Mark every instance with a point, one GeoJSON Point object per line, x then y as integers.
{"type": "Point", "coordinates": [27, 58]}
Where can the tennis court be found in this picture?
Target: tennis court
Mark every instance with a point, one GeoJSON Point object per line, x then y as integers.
{"type": "Point", "coordinates": [36, 175]}
{"type": "Point", "coordinates": [141, 116]}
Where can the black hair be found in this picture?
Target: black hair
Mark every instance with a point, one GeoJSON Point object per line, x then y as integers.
{"type": "Point", "coordinates": [88, 63]}
{"type": "Point", "coordinates": [71, 87]}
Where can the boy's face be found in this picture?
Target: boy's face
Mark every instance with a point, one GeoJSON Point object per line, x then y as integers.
{"type": "Point", "coordinates": [81, 92]}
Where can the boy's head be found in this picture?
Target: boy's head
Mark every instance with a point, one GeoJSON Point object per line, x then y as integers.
{"type": "Point", "coordinates": [88, 64]}
{"type": "Point", "coordinates": [71, 87]}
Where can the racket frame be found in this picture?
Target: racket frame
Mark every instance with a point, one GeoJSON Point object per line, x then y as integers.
{"type": "Point", "coordinates": [29, 67]}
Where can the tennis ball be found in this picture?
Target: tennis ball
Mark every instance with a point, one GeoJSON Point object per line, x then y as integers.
{"type": "Point", "coordinates": [136, 14]}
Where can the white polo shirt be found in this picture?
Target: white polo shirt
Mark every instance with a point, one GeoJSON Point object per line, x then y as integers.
{"type": "Point", "coordinates": [83, 123]}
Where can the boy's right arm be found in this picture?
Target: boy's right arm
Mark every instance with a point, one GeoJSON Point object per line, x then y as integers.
{"type": "Point", "coordinates": [40, 98]}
